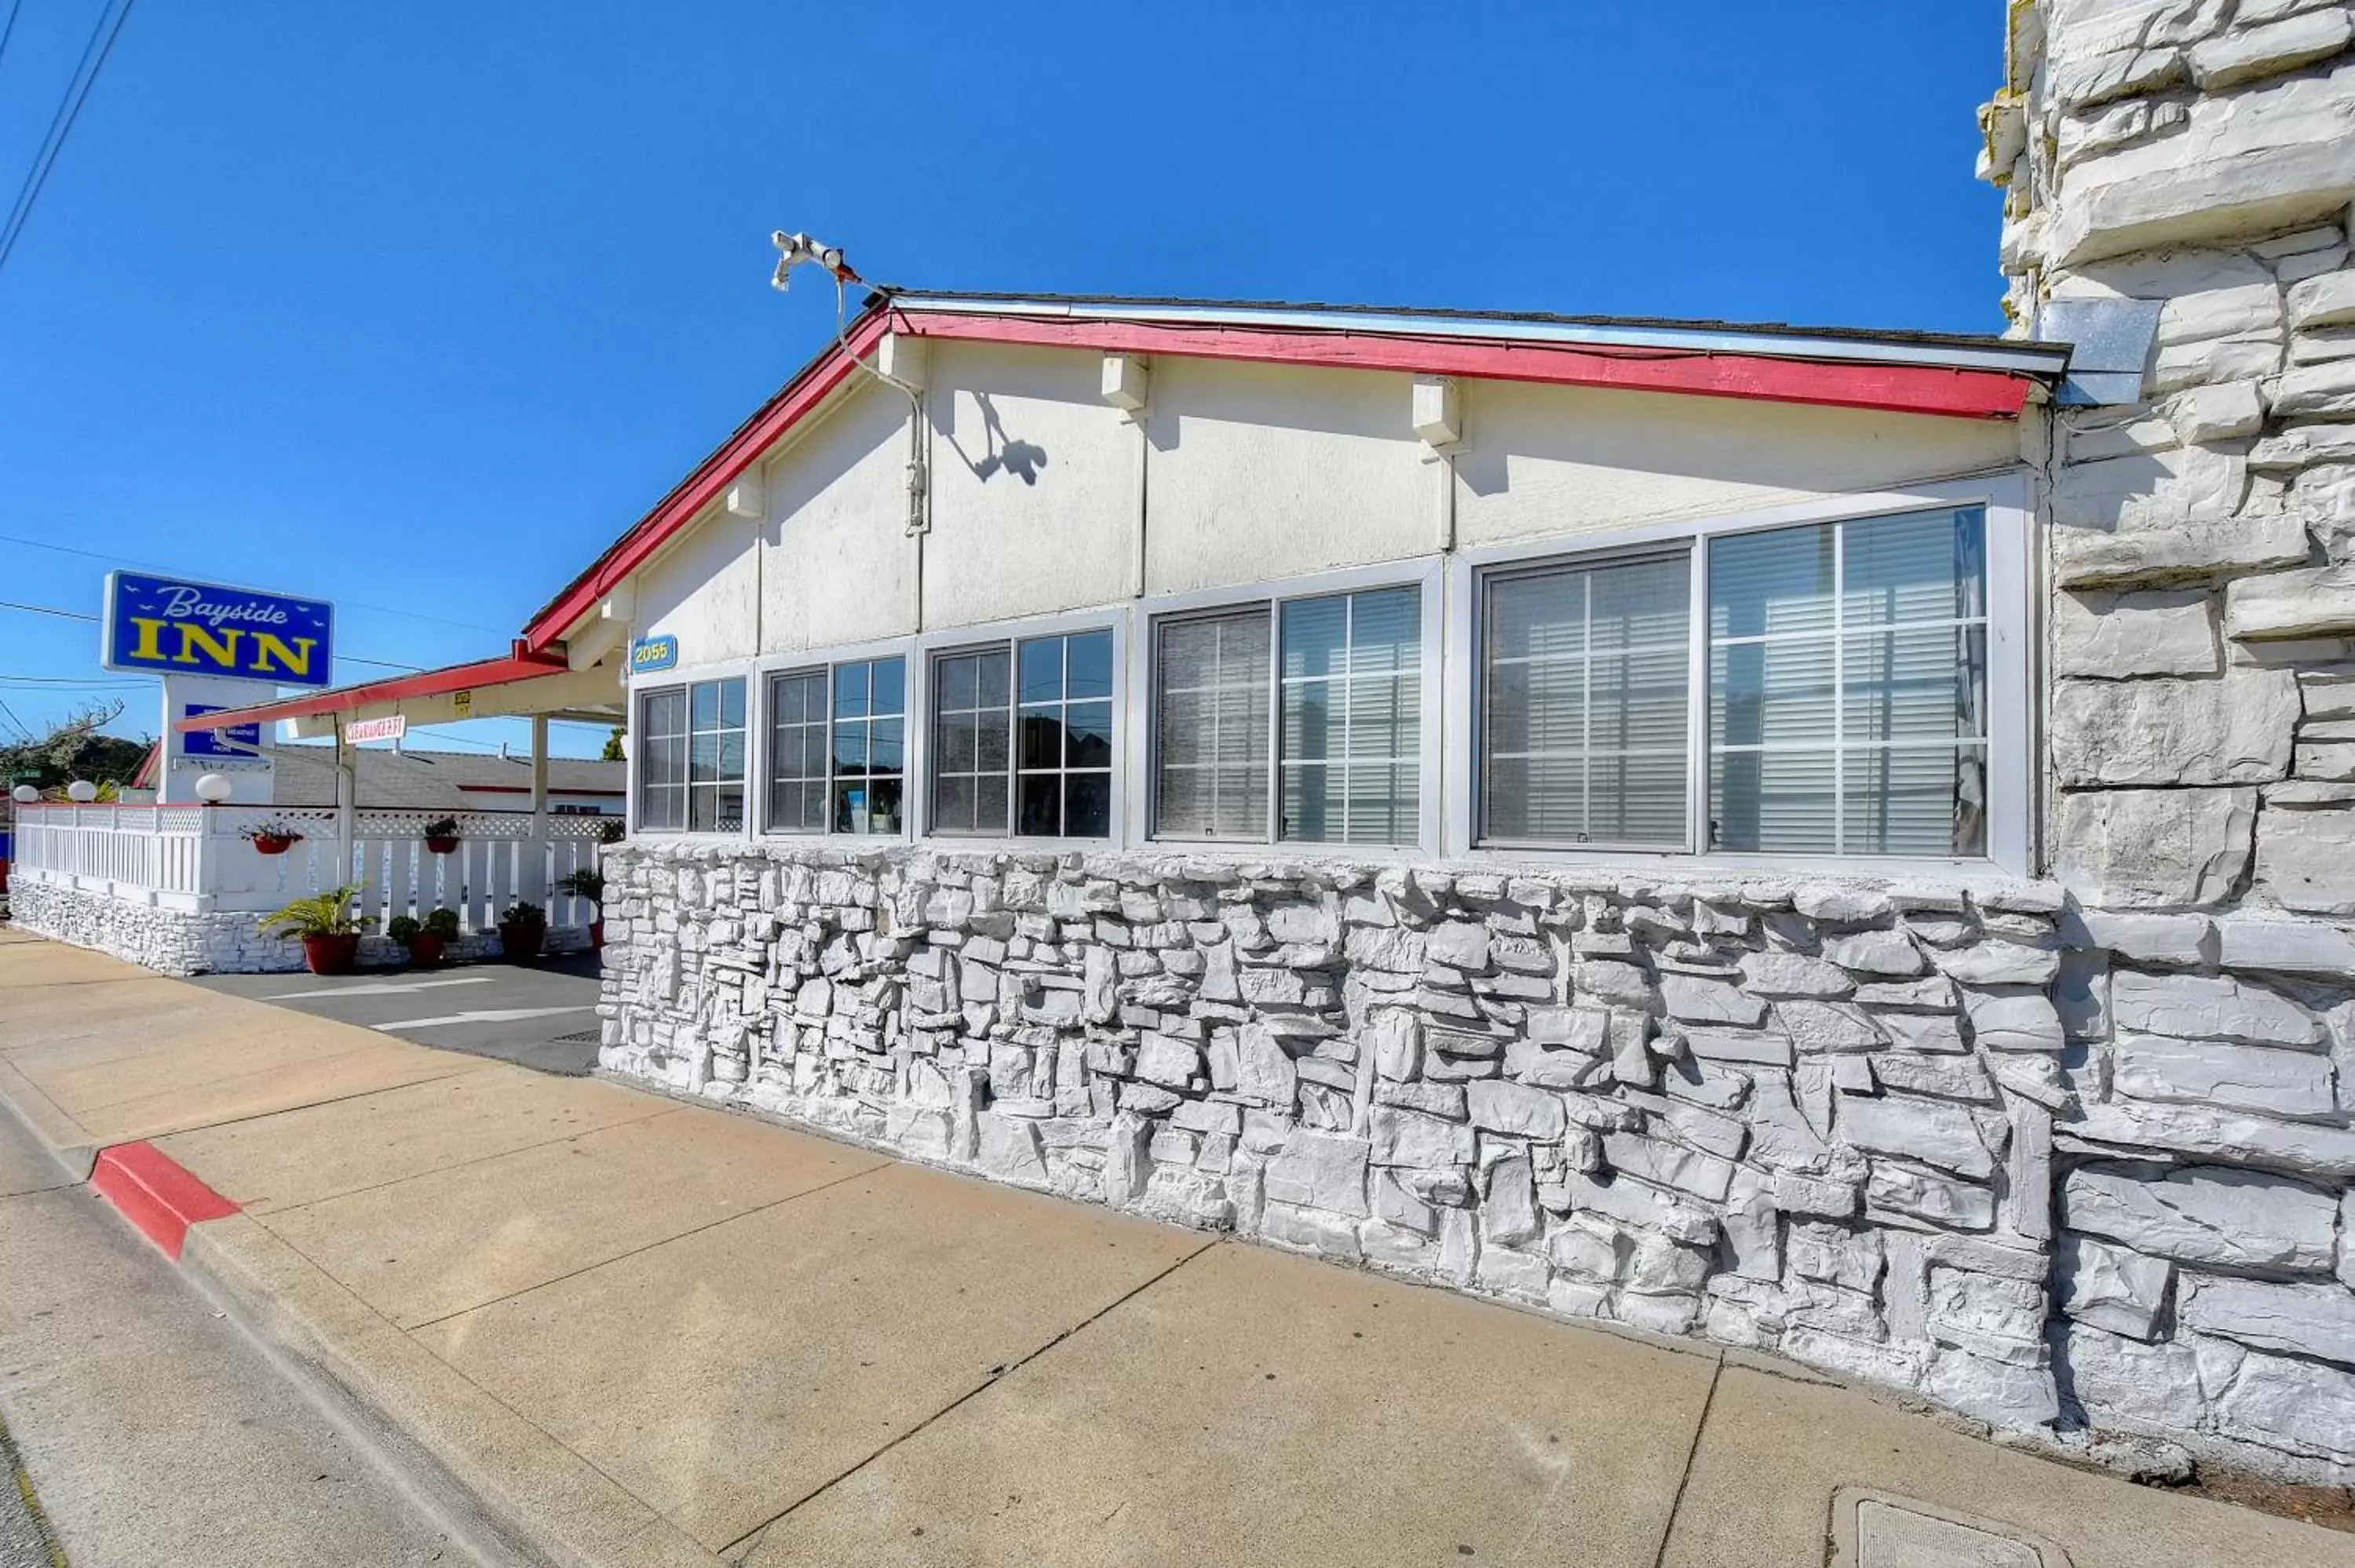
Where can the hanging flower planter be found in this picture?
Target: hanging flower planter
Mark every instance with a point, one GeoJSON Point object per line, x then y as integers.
{"type": "Point", "coordinates": [270, 838]}
{"type": "Point", "coordinates": [441, 835]}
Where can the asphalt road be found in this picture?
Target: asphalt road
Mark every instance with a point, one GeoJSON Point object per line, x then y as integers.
{"type": "Point", "coordinates": [541, 1014]}
{"type": "Point", "coordinates": [154, 1434]}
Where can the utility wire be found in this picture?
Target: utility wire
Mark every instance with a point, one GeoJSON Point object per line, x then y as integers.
{"type": "Point", "coordinates": [85, 615]}
{"type": "Point", "coordinates": [157, 565]}
{"type": "Point", "coordinates": [61, 124]}
{"type": "Point", "coordinates": [7, 28]}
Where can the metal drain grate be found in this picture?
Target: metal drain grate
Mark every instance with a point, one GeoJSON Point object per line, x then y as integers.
{"type": "Point", "coordinates": [578, 1037]}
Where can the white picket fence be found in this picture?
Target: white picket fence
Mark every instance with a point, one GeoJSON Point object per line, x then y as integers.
{"type": "Point", "coordinates": [199, 859]}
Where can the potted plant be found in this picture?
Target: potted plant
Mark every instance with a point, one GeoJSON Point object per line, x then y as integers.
{"type": "Point", "coordinates": [441, 835]}
{"type": "Point", "coordinates": [522, 930]}
{"type": "Point", "coordinates": [273, 837]}
{"type": "Point", "coordinates": [330, 934]}
{"type": "Point", "coordinates": [611, 830]}
{"type": "Point", "coordinates": [589, 885]}
{"type": "Point", "coordinates": [426, 938]}
{"type": "Point", "coordinates": [442, 929]}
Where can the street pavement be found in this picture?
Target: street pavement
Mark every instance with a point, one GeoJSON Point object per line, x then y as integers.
{"type": "Point", "coordinates": [156, 1434]}
{"type": "Point", "coordinates": [541, 1014]}
{"type": "Point", "coordinates": [643, 1332]}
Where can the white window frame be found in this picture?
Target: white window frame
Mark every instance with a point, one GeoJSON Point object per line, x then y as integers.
{"type": "Point", "coordinates": [756, 713]}
{"type": "Point", "coordinates": [806, 661]}
{"type": "Point", "coordinates": [2011, 626]}
{"type": "Point", "coordinates": [1425, 574]}
{"type": "Point", "coordinates": [925, 652]}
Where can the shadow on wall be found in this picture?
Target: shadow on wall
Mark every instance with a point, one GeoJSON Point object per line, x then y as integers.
{"type": "Point", "coordinates": [1002, 453]}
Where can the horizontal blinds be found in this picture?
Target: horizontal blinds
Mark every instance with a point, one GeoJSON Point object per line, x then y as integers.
{"type": "Point", "coordinates": [1211, 691]}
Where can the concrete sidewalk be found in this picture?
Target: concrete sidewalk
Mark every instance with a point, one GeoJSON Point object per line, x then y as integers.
{"type": "Point", "coordinates": [625, 1331]}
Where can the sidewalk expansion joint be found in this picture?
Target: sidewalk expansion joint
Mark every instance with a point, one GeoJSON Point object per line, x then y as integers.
{"type": "Point", "coordinates": [997, 1375]}
{"type": "Point", "coordinates": [1684, 1477]}
{"type": "Point", "coordinates": [588, 1268]}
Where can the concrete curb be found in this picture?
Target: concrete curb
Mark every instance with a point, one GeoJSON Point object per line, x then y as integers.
{"type": "Point", "coordinates": [508, 1494]}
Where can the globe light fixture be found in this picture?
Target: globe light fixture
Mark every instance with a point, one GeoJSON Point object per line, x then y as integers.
{"type": "Point", "coordinates": [25, 795]}
{"type": "Point", "coordinates": [214, 789]}
{"type": "Point", "coordinates": [82, 791]}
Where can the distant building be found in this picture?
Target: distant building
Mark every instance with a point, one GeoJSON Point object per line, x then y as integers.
{"type": "Point", "coordinates": [412, 780]}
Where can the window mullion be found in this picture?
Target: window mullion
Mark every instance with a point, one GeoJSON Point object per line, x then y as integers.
{"type": "Point", "coordinates": [1839, 688]}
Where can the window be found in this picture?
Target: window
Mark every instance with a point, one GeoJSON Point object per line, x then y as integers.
{"type": "Point", "coordinates": [797, 752]}
{"type": "Point", "coordinates": [1212, 740]}
{"type": "Point", "coordinates": [969, 743]}
{"type": "Point", "coordinates": [1063, 759]}
{"type": "Point", "coordinates": [1022, 738]}
{"type": "Point", "coordinates": [691, 765]}
{"type": "Point", "coordinates": [1329, 733]}
{"type": "Point", "coordinates": [1584, 717]}
{"type": "Point", "coordinates": [870, 730]}
{"type": "Point", "coordinates": [1847, 675]}
{"type": "Point", "coordinates": [1351, 695]}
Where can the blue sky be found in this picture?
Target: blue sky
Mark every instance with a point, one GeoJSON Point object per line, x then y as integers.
{"type": "Point", "coordinates": [415, 307]}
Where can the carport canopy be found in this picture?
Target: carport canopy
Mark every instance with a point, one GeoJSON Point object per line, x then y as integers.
{"type": "Point", "coordinates": [520, 684]}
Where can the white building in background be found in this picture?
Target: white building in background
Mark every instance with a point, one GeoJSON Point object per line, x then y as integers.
{"type": "Point", "coordinates": [1839, 842]}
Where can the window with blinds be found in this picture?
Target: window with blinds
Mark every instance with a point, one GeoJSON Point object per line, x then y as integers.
{"type": "Point", "coordinates": [1351, 690]}
{"type": "Point", "coordinates": [1584, 721]}
{"type": "Point", "coordinates": [1848, 687]}
{"type": "Point", "coordinates": [1211, 731]}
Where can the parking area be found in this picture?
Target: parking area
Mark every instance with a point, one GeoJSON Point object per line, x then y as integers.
{"type": "Point", "coordinates": [540, 1015]}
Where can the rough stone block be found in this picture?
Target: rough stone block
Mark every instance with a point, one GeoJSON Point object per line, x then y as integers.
{"type": "Point", "coordinates": [2233, 730]}
{"type": "Point", "coordinates": [2317, 602]}
{"type": "Point", "coordinates": [2293, 1405]}
{"type": "Point", "coordinates": [2245, 54]}
{"type": "Point", "coordinates": [2306, 857]}
{"type": "Point", "coordinates": [2204, 1215]}
{"type": "Point", "coordinates": [1516, 1108]}
{"type": "Point", "coordinates": [2209, 1007]}
{"type": "Point", "coordinates": [1931, 1131]}
{"type": "Point", "coordinates": [2298, 1320]}
{"type": "Point", "coordinates": [2121, 1382]}
{"type": "Point", "coordinates": [2111, 1287]}
{"type": "Point", "coordinates": [2210, 1133]}
{"type": "Point", "coordinates": [2295, 1084]}
{"type": "Point", "coordinates": [2112, 636]}
{"type": "Point", "coordinates": [2161, 847]}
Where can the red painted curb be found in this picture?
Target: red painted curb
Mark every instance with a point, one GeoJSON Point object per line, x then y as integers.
{"type": "Point", "coordinates": [156, 1193]}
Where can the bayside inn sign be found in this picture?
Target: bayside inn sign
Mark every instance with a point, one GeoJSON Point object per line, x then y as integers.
{"type": "Point", "coordinates": [170, 626]}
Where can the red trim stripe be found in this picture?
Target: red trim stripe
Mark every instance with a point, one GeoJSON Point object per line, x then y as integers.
{"type": "Point", "coordinates": [156, 1193]}
{"type": "Point", "coordinates": [524, 664]}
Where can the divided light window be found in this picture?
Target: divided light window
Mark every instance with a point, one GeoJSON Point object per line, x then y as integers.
{"type": "Point", "coordinates": [691, 758]}
{"type": "Point", "coordinates": [1320, 745]}
{"type": "Point", "coordinates": [837, 742]}
{"type": "Point", "coordinates": [1022, 739]}
{"type": "Point", "coordinates": [1848, 675]}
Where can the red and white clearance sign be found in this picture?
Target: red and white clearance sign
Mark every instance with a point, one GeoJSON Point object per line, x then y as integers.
{"type": "Point", "coordinates": [391, 729]}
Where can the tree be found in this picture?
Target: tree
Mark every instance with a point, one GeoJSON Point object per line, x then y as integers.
{"type": "Point", "coordinates": [73, 748]}
{"type": "Point", "coordinates": [612, 752]}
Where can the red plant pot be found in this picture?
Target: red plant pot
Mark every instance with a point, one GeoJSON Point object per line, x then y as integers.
{"type": "Point", "coordinates": [331, 954]}
{"type": "Point", "coordinates": [442, 846]}
{"type": "Point", "coordinates": [424, 950]}
{"type": "Point", "coordinates": [596, 935]}
{"type": "Point", "coordinates": [272, 843]}
{"type": "Point", "coordinates": [521, 940]}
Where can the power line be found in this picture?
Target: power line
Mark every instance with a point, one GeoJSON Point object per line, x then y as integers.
{"type": "Point", "coordinates": [61, 124]}
{"type": "Point", "coordinates": [6, 28]}
{"type": "Point", "coordinates": [158, 566]}
{"type": "Point", "coordinates": [5, 708]}
{"type": "Point", "coordinates": [86, 615]}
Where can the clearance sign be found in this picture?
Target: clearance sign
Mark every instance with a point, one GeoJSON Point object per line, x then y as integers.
{"type": "Point", "coordinates": [174, 627]}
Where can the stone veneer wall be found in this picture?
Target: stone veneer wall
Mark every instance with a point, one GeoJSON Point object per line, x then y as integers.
{"type": "Point", "coordinates": [174, 942]}
{"type": "Point", "coordinates": [2201, 155]}
{"type": "Point", "coordinates": [2035, 1163]}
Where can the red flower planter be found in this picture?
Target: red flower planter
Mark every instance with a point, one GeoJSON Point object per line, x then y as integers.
{"type": "Point", "coordinates": [424, 950]}
{"type": "Point", "coordinates": [521, 940]}
{"type": "Point", "coordinates": [596, 935]}
{"type": "Point", "coordinates": [331, 954]}
{"type": "Point", "coordinates": [275, 844]}
{"type": "Point", "coordinates": [442, 846]}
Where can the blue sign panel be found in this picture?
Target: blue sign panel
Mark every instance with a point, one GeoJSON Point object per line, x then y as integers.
{"type": "Point", "coordinates": [170, 626]}
{"type": "Point", "coordinates": [238, 740]}
{"type": "Point", "coordinates": [648, 654]}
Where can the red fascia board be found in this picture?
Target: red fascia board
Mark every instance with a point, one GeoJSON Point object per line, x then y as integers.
{"type": "Point", "coordinates": [526, 790]}
{"type": "Point", "coordinates": [518, 666]}
{"type": "Point", "coordinates": [817, 381]}
{"type": "Point", "coordinates": [1939, 390]}
{"type": "Point", "coordinates": [1931, 389]}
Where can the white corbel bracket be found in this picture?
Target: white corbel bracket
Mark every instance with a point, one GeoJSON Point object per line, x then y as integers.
{"type": "Point", "coordinates": [1438, 416]}
{"type": "Point", "coordinates": [1127, 384]}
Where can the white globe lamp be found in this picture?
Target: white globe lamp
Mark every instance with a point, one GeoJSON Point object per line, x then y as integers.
{"type": "Point", "coordinates": [25, 795]}
{"type": "Point", "coordinates": [214, 789]}
{"type": "Point", "coordinates": [82, 791]}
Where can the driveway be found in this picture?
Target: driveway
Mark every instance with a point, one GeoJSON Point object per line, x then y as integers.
{"type": "Point", "coordinates": [540, 1015]}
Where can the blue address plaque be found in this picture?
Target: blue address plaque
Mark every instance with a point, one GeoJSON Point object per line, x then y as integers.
{"type": "Point", "coordinates": [174, 626]}
{"type": "Point", "coordinates": [648, 654]}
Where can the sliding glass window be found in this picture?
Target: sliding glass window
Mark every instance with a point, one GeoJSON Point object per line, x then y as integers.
{"type": "Point", "coordinates": [1351, 731]}
{"type": "Point", "coordinates": [690, 758]}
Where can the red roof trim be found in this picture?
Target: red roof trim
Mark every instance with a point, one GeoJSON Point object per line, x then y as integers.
{"type": "Point", "coordinates": [520, 665]}
{"type": "Point", "coordinates": [1937, 390]}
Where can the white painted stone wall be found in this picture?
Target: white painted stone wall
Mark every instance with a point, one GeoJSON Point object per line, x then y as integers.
{"type": "Point", "coordinates": [174, 942]}
{"type": "Point", "coordinates": [1818, 1118]}
{"type": "Point", "coordinates": [2202, 725]}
